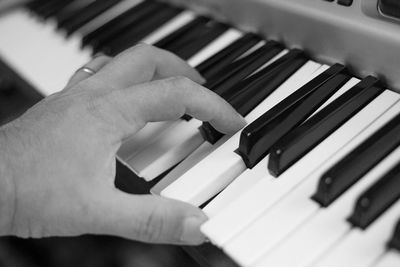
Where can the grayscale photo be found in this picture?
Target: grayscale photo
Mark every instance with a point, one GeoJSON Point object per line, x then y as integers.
{"type": "Point", "coordinates": [204, 133]}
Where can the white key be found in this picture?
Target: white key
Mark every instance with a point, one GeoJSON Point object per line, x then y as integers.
{"type": "Point", "coordinates": [169, 27]}
{"type": "Point", "coordinates": [142, 138]}
{"type": "Point", "coordinates": [164, 151]}
{"type": "Point", "coordinates": [195, 157]}
{"type": "Point", "coordinates": [218, 44]}
{"type": "Point", "coordinates": [249, 245]}
{"type": "Point", "coordinates": [390, 259]}
{"type": "Point", "coordinates": [47, 60]}
{"type": "Point", "coordinates": [107, 16]}
{"type": "Point", "coordinates": [219, 168]}
{"type": "Point", "coordinates": [327, 226]}
{"type": "Point", "coordinates": [251, 177]}
{"type": "Point", "coordinates": [239, 186]}
{"type": "Point", "coordinates": [163, 154]}
{"type": "Point", "coordinates": [362, 248]}
{"type": "Point", "coordinates": [252, 49]}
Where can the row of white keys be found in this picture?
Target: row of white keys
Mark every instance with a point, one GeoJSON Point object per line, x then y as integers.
{"type": "Point", "coordinates": [255, 206]}
{"type": "Point", "coordinates": [249, 178]}
{"type": "Point", "coordinates": [361, 248]}
{"type": "Point", "coordinates": [177, 142]}
{"type": "Point", "coordinates": [390, 259]}
{"type": "Point", "coordinates": [36, 60]}
{"type": "Point", "coordinates": [327, 226]}
{"type": "Point", "coordinates": [220, 167]}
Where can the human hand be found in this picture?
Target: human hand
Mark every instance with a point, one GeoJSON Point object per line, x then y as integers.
{"type": "Point", "coordinates": [57, 161]}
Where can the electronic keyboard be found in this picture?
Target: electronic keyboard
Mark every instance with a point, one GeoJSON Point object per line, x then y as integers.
{"type": "Point", "coordinates": [314, 177]}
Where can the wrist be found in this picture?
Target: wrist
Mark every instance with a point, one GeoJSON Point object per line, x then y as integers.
{"type": "Point", "coordinates": [7, 185]}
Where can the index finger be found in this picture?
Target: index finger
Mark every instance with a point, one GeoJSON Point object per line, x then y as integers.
{"type": "Point", "coordinates": [170, 99]}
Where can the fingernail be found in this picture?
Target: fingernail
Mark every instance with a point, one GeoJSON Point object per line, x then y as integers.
{"type": "Point", "coordinates": [202, 80]}
{"type": "Point", "coordinates": [98, 54]}
{"type": "Point", "coordinates": [191, 233]}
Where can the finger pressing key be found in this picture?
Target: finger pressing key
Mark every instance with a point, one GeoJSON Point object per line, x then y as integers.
{"type": "Point", "coordinates": [170, 99]}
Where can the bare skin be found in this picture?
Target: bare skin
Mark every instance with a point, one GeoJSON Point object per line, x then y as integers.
{"type": "Point", "coordinates": [57, 161]}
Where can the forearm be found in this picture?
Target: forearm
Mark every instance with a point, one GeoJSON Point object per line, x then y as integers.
{"type": "Point", "coordinates": [7, 188]}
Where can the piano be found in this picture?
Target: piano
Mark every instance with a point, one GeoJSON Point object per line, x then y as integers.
{"type": "Point", "coordinates": [314, 178]}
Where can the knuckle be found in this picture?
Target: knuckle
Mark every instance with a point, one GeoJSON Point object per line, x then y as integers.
{"type": "Point", "coordinates": [142, 48]}
{"type": "Point", "coordinates": [181, 82]}
{"type": "Point", "coordinates": [103, 58]}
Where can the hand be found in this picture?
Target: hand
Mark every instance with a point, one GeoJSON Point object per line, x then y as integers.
{"type": "Point", "coordinates": [57, 161]}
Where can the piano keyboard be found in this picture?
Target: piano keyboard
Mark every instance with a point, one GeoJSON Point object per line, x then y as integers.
{"type": "Point", "coordinates": [312, 180]}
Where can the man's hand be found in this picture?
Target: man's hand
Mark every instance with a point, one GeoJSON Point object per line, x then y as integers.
{"type": "Point", "coordinates": [57, 161]}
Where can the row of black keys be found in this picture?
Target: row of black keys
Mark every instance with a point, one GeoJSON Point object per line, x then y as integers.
{"type": "Point", "coordinates": [284, 131]}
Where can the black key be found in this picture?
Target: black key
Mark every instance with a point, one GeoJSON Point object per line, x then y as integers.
{"type": "Point", "coordinates": [357, 163]}
{"type": "Point", "coordinates": [136, 14]}
{"type": "Point", "coordinates": [39, 10]}
{"type": "Point", "coordinates": [258, 137]}
{"type": "Point", "coordinates": [394, 242]}
{"type": "Point", "coordinates": [264, 83]}
{"type": "Point", "coordinates": [243, 67]}
{"type": "Point", "coordinates": [175, 36]}
{"type": "Point", "coordinates": [138, 32]}
{"type": "Point", "coordinates": [35, 5]}
{"type": "Point", "coordinates": [230, 75]}
{"type": "Point", "coordinates": [86, 14]}
{"type": "Point", "coordinates": [53, 8]}
{"type": "Point", "coordinates": [70, 9]}
{"type": "Point", "coordinates": [192, 42]}
{"type": "Point", "coordinates": [213, 65]}
{"type": "Point", "coordinates": [77, 10]}
{"type": "Point", "coordinates": [313, 131]}
{"type": "Point", "coordinates": [108, 28]}
{"type": "Point", "coordinates": [247, 94]}
{"type": "Point", "coordinates": [389, 8]}
{"type": "Point", "coordinates": [376, 199]}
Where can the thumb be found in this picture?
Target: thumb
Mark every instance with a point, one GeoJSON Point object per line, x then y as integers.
{"type": "Point", "coordinates": [149, 219]}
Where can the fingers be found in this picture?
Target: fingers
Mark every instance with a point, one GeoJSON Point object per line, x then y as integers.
{"type": "Point", "coordinates": [96, 64]}
{"type": "Point", "coordinates": [149, 219]}
{"type": "Point", "coordinates": [170, 99]}
{"type": "Point", "coordinates": [143, 63]}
